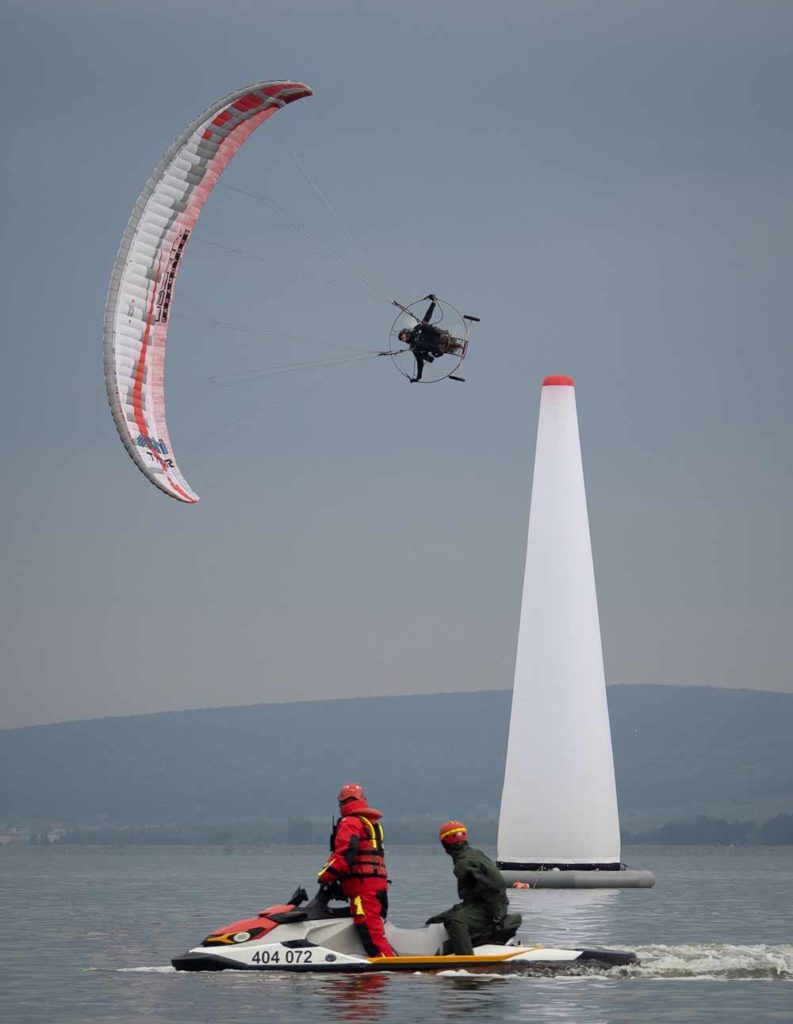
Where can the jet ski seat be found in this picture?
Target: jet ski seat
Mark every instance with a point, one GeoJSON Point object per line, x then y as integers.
{"type": "Point", "coordinates": [425, 941]}
{"type": "Point", "coordinates": [504, 936]}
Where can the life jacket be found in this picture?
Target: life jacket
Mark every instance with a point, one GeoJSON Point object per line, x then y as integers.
{"type": "Point", "coordinates": [368, 860]}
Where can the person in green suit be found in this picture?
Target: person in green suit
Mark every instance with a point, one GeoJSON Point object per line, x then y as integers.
{"type": "Point", "coordinates": [480, 917]}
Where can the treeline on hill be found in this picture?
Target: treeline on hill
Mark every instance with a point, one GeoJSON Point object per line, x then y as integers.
{"type": "Point", "coordinates": [702, 830]}
{"type": "Point", "coordinates": [293, 832]}
{"type": "Point", "coordinates": [679, 752]}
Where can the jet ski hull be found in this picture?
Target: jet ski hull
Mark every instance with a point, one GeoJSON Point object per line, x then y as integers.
{"type": "Point", "coordinates": [317, 959]}
{"type": "Point", "coordinates": [319, 939]}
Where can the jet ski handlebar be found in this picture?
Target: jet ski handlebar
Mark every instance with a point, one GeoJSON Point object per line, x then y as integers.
{"type": "Point", "coordinates": [298, 896]}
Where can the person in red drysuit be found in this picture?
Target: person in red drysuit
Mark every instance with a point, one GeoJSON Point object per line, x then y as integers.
{"type": "Point", "coordinates": [357, 862]}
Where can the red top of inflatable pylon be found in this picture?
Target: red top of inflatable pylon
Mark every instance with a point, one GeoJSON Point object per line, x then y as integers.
{"type": "Point", "coordinates": [558, 381]}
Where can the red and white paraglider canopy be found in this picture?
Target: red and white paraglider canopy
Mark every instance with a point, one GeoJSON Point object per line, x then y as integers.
{"type": "Point", "coordinates": [148, 261]}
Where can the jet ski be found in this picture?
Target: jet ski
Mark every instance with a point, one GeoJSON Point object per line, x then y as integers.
{"type": "Point", "coordinates": [323, 939]}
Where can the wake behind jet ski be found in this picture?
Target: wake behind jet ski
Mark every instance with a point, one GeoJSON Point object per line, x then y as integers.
{"type": "Point", "coordinates": [323, 939]}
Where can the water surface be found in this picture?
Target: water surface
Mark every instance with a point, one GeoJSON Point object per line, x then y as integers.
{"type": "Point", "coordinates": [89, 934]}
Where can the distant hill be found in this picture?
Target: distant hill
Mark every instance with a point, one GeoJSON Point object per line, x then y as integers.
{"type": "Point", "coordinates": [678, 750]}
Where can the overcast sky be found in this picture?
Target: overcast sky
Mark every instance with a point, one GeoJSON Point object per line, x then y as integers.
{"type": "Point", "coordinates": [607, 184]}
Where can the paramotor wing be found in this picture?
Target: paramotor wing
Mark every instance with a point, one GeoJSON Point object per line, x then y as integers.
{"type": "Point", "coordinates": [148, 261]}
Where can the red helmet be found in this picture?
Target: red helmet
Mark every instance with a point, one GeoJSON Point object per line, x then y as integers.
{"type": "Point", "coordinates": [453, 832]}
{"type": "Point", "coordinates": [351, 791]}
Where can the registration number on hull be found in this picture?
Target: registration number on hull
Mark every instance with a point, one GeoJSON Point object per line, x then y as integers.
{"type": "Point", "coordinates": [282, 956]}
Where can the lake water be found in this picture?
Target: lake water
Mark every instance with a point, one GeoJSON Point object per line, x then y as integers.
{"type": "Point", "coordinates": [88, 936]}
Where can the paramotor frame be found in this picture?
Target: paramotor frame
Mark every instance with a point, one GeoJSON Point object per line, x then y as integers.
{"type": "Point", "coordinates": [454, 325]}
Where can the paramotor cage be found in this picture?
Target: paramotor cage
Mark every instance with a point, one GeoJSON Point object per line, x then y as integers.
{"type": "Point", "coordinates": [454, 338]}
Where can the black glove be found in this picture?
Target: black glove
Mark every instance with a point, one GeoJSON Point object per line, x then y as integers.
{"type": "Point", "coordinates": [330, 892]}
{"type": "Point", "coordinates": [437, 919]}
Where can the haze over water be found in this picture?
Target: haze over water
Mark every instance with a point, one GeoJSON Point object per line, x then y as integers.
{"type": "Point", "coordinates": [606, 184]}
{"type": "Point", "coordinates": [89, 935]}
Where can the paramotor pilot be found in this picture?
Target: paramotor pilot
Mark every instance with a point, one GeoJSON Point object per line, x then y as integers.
{"type": "Point", "coordinates": [427, 341]}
